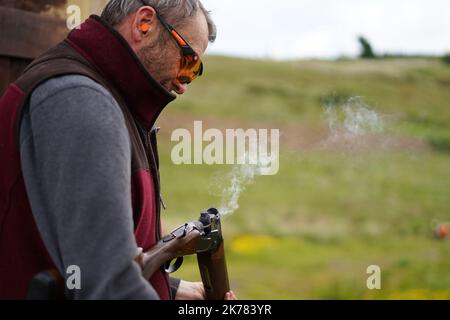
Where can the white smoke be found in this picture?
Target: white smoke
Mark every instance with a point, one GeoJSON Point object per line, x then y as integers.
{"type": "Point", "coordinates": [351, 122]}
{"type": "Point", "coordinates": [240, 177]}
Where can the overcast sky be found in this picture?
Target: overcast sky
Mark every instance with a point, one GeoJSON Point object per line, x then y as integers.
{"type": "Point", "coordinates": [328, 28]}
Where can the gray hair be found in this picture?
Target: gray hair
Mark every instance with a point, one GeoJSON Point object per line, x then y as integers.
{"type": "Point", "coordinates": [174, 11]}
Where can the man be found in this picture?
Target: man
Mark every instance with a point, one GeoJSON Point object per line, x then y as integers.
{"type": "Point", "coordinates": [79, 176]}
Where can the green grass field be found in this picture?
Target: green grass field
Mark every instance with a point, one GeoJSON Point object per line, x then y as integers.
{"type": "Point", "coordinates": [311, 231]}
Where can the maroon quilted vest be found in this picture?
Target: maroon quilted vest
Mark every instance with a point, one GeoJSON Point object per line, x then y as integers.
{"type": "Point", "coordinates": [100, 53]}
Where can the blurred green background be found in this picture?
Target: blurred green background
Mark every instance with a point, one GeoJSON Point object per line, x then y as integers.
{"type": "Point", "coordinates": [334, 208]}
{"type": "Point", "coordinates": [311, 231]}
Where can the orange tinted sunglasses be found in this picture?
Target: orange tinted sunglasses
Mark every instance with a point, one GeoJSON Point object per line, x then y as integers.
{"type": "Point", "coordinates": [191, 65]}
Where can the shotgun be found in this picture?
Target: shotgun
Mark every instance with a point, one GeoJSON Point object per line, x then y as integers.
{"type": "Point", "coordinates": [211, 256]}
{"type": "Point", "coordinates": [202, 237]}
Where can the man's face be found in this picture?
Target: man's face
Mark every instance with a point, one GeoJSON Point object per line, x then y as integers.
{"type": "Point", "coordinates": [161, 55]}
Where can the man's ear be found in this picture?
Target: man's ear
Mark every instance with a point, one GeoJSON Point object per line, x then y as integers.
{"type": "Point", "coordinates": [144, 22]}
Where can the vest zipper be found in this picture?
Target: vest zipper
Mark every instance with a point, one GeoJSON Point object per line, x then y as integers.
{"type": "Point", "coordinates": [156, 178]}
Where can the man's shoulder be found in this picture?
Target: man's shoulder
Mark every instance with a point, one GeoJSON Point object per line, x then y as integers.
{"type": "Point", "coordinates": [72, 103]}
{"type": "Point", "coordinates": [77, 84]}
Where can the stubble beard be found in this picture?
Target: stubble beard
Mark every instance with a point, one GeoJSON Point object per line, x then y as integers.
{"type": "Point", "coordinates": [154, 60]}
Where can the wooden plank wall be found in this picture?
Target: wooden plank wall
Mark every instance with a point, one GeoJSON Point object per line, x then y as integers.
{"type": "Point", "coordinates": [23, 37]}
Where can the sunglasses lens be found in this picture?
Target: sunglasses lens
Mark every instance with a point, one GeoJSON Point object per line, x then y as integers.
{"type": "Point", "coordinates": [191, 68]}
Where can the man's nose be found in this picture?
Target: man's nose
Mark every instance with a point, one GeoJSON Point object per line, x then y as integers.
{"type": "Point", "coordinates": [180, 88]}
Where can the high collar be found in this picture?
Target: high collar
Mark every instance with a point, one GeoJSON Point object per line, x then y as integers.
{"type": "Point", "coordinates": [112, 56]}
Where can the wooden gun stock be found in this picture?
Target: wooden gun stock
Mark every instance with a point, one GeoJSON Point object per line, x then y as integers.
{"type": "Point", "coordinates": [181, 242]}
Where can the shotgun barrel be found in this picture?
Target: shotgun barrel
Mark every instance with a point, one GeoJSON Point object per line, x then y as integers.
{"type": "Point", "coordinates": [211, 256]}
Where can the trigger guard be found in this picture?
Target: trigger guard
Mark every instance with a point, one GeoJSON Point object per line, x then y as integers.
{"type": "Point", "coordinates": [172, 268]}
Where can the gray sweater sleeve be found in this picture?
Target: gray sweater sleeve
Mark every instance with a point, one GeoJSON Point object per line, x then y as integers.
{"type": "Point", "coordinates": [75, 154]}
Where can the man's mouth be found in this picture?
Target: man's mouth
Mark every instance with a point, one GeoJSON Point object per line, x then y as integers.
{"type": "Point", "coordinates": [180, 88]}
